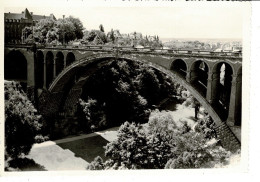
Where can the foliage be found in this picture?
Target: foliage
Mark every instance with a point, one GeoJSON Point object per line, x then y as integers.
{"type": "Point", "coordinates": [161, 143]}
{"type": "Point", "coordinates": [130, 149]}
{"type": "Point", "coordinates": [78, 26]}
{"type": "Point", "coordinates": [95, 37]}
{"type": "Point", "coordinates": [49, 30]}
{"type": "Point", "coordinates": [193, 159]}
{"type": "Point", "coordinates": [111, 36]}
{"type": "Point", "coordinates": [101, 28]}
{"type": "Point", "coordinates": [23, 164]}
{"type": "Point", "coordinates": [206, 126]}
{"type": "Point", "coordinates": [95, 116]}
{"type": "Point", "coordinates": [22, 123]}
{"type": "Point", "coordinates": [126, 91]}
{"type": "Point", "coordinates": [65, 30]}
{"type": "Point", "coordinates": [97, 164]}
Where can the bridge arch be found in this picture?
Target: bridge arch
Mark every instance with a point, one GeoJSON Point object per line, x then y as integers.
{"type": "Point", "coordinates": [222, 83]}
{"type": "Point", "coordinates": [59, 63]}
{"type": "Point", "coordinates": [70, 58]}
{"type": "Point", "coordinates": [199, 76]}
{"type": "Point", "coordinates": [49, 60]}
{"type": "Point", "coordinates": [39, 71]}
{"type": "Point", "coordinates": [15, 67]}
{"type": "Point", "coordinates": [180, 67]}
{"type": "Point", "coordinates": [72, 70]}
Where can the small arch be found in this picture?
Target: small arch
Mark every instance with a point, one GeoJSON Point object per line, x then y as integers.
{"type": "Point", "coordinates": [15, 68]}
{"type": "Point", "coordinates": [49, 68]}
{"type": "Point", "coordinates": [222, 82]}
{"type": "Point", "coordinates": [70, 58]}
{"type": "Point", "coordinates": [180, 67]}
{"type": "Point", "coordinates": [59, 60]}
{"type": "Point", "coordinates": [39, 71]}
{"type": "Point", "coordinates": [199, 76]}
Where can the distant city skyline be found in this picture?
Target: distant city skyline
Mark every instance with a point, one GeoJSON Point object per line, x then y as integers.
{"type": "Point", "coordinates": [189, 22]}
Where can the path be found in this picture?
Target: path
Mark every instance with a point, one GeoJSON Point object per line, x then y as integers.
{"type": "Point", "coordinates": [72, 153]}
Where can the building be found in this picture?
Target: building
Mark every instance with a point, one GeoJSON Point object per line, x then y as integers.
{"type": "Point", "coordinates": [15, 23]}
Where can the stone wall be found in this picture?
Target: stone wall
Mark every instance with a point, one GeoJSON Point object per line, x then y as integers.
{"type": "Point", "coordinates": [227, 138]}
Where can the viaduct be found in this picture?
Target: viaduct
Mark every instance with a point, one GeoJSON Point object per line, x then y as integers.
{"type": "Point", "coordinates": [53, 77]}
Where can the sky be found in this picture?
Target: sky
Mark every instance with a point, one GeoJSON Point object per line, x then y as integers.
{"type": "Point", "coordinates": [216, 21]}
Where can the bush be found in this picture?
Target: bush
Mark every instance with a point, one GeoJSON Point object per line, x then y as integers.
{"type": "Point", "coordinates": [97, 164]}
{"type": "Point", "coordinates": [189, 160]}
{"type": "Point", "coordinates": [206, 126]}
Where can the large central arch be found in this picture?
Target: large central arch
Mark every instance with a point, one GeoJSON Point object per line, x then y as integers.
{"type": "Point", "coordinates": [70, 73]}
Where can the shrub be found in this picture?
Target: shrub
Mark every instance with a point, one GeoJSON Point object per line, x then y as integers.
{"type": "Point", "coordinates": [206, 126]}
{"type": "Point", "coordinates": [97, 164]}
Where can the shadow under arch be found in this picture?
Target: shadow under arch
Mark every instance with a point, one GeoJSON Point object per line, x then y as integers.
{"type": "Point", "coordinates": [70, 58]}
{"type": "Point", "coordinates": [49, 68]}
{"type": "Point", "coordinates": [71, 71]}
{"type": "Point", "coordinates": [59, 62]}
{"type": "Point", "coordinates": [39, 72]}
{"type": "Point", "coordinates": [180, 67]}
{"type": "Point", "coordinates": [221, 88]}
{"type": "Point", "coordinates": [15, 68]}
{"type": "Point", "coordinates": [199, 76]}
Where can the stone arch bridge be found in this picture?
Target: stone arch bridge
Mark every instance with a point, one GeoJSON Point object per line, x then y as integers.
{"type": "Point", "coordinates": [54, 76]}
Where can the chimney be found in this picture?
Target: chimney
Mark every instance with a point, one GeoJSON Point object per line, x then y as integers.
{"type": "Point", "coordinates": [31, 13]}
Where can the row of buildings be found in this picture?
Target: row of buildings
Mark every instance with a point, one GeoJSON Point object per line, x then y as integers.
{"type": "Point", "coordinates": [16, 22]}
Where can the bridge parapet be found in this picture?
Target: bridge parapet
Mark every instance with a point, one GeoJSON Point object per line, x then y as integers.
{"type": "Point", "coordinates": [145, 50]}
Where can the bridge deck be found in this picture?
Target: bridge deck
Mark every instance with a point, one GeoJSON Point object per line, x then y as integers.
{"type": "Point", "coordinates": [156, 51]}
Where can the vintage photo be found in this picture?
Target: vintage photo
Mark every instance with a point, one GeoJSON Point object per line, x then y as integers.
{"type": "Point", "coordinates": [130, 87]}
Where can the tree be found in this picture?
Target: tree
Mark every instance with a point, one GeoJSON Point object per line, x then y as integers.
{"type": "Point", "coordinates": [78, 26]}
{"type": "Point", "coordinates": [112, 36]}
{"type": "Point", "coordinates": [134, 35]}
{"type": "Point", "coordinates": [95, 37]}
{"type": "Point", "coordinates": [52, 35]}
{"type": "Point", "coordinates": [22, 123]}
{"type": "Point", "coordinates": [49, 30]}
{"type": "Point", "coordinates": [162, 143]}
{"type": "Point", "coordinates": [65, 30]}
{"type": "Point", "coordinates": [101, 28]}
{"type": "Point", "coordinates": [94, 114]}
{"type": "Point", "coordinates": [130, 149]}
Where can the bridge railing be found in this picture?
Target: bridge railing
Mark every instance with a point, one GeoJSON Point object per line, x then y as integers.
{"type": "Point", "coordinates": [127, 48]}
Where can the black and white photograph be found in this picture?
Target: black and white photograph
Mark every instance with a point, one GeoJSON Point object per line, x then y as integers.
{"type": "Point", "coordinates": [129, 87]}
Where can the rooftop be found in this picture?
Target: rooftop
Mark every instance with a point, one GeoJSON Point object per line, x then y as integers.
{"type": "Point", "coordinates": [26, 15]}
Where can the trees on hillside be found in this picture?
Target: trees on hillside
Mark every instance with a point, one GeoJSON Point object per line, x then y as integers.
{"type": "Point", "coordinates": [22, 123]}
